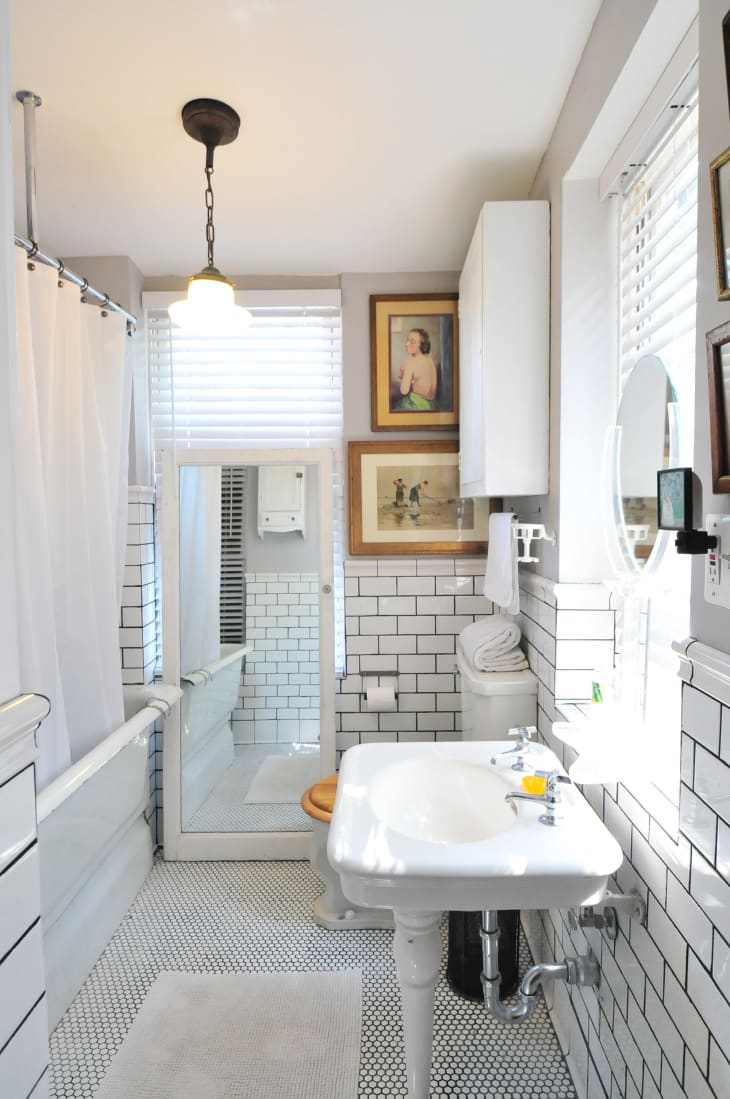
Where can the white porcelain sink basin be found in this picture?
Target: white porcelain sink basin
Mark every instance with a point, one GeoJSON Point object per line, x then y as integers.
{"type": "Point", "coordinates": [441, 800]}
{"type": "Point", "coordinates": [425, 828]}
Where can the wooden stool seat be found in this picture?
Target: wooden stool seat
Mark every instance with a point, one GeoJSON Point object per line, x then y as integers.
{"type": "Point", "coordinates": [319, 800]}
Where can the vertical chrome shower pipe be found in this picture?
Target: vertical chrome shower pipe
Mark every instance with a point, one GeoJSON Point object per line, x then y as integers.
{"type": "Point", "coordinates": [30, 101]}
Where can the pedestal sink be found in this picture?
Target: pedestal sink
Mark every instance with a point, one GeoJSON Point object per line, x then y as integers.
{"type": "Point", "coordinates": [425, 828]}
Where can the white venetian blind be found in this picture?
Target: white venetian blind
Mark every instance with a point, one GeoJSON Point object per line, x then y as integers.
{"type": "Point", "coordinates": [657, 311]}
{"type": "Point", "coordinates": [658, 250]}
{"type": "Point", "coordinates": [279, 384]}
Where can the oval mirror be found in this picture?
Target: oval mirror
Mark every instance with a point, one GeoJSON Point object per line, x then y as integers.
{"type": "Point", "coordinates": [644, 417]}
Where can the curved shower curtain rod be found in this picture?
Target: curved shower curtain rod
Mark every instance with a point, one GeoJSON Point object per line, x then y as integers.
{"type": "Point", "coordinates": [30, 102]}
{"type": "Point", "coordinates": [64, 272]}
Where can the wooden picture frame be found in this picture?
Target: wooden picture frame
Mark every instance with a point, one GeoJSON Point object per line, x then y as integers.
{"type": "Point", "coordinates": [404, 499]}
{"type": "Point", "coordinates": [726, 53]}
{"type": "Point", "coordinates": [720, 191]}
{"type": "Point", "coordinates": [414, 370]}
{"type": "Point", "coordinates": [718, 371]}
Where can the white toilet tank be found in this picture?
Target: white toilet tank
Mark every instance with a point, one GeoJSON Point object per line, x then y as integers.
{"type": "Point", "coordinates": [493, 702]}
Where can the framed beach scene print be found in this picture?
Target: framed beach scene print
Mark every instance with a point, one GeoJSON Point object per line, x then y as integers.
{"type": "Point", "coordinates": [720, 192]}
{"type": "Point", "coordinates": [404, 499]}
{"type": "Point", "coordinates": [414, 373]}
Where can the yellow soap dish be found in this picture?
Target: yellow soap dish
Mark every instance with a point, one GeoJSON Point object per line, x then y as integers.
{"type": "Point", "coordinates": [533, 784]}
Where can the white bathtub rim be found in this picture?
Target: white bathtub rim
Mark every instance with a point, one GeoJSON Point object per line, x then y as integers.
{"type": "Point", "coordinates": [163, 697]}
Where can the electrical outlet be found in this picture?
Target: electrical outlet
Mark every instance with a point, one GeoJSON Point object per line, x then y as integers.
{"type": "Point", "coordinates": [717, 562]}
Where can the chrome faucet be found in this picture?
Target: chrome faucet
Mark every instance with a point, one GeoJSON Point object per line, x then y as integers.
{"type": "Point", "coordinates": [550, 799]}
{"type": "Point", "coordinates": [521, 748]}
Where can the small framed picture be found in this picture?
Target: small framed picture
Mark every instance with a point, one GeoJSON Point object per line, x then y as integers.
{"type": "Point", "coordinates": [404, 499]}
{"type": "Point", "coordinates": [414, 375]}
{"type": "Point", "coordinates": [720, 190]}
{"type": "Point", "coordinates": [718, 376]}
{"type": "Point", "coordinates": [674, 499]}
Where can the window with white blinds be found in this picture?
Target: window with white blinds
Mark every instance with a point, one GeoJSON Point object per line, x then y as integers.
{"type": "Point", "coordinates": [657, 310]}
{"type": "Point", "coordinates": [278, 384]}
{"type": "Point", "coordinates": [658, 251]}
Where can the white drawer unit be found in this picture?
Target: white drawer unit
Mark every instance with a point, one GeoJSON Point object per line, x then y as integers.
{"type": "Point", "coordinates": [20, 899]}
{"type": "Point", "coordinates": [23, 1015]}
{"type": "Point", "coordinates": [17, 816]}
{"type": "Point", "coordinates": [24, 1060]}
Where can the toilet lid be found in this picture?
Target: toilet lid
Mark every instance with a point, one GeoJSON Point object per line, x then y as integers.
{"type": "Point", "coordinates": [319, 800]}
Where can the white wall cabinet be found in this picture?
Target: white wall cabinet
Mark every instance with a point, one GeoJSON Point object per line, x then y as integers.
{"type": "Point", "coordinates": [504, 314]}
{"type": "Point", "coordinates": [282, 499]}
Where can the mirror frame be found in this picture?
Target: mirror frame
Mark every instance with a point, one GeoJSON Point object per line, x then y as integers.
{"type": "Point", "coordinates": [178, 844]}
{"type": "Point", "coordinates": [621, 557]}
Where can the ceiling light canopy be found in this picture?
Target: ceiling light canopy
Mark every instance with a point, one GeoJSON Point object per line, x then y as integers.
{"type": "Point", "coordinates": [209, 308]}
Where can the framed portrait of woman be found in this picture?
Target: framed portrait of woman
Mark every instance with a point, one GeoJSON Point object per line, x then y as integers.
{"type": "Point", "coordinates": [414, 373]}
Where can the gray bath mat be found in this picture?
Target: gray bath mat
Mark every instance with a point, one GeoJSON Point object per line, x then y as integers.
{"type": "Point", "coordinates": [283, 779]}
{"type": "Point", "coordinates": [242, 1036]}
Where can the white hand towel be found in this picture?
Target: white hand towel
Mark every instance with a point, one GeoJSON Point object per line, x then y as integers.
{"type": "Point", "coordinates": [488, 639]}
{"type": "Point", "coordinates": [500, 577]}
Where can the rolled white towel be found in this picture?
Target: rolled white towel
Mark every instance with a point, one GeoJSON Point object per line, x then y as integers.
{"type": "Point", "coordinates": [510, 662]}
{"type": "Point", "coordinates": [488, 639]}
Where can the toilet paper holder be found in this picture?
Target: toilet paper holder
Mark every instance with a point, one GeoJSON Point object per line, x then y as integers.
{"type": "Point", "coordinates": [380, 679]}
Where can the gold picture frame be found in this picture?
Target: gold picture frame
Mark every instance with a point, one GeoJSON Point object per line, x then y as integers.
{"type": "Point", "coordinates": [720, 191]}
{"type": "Point", "coordinates": [404, 499]}
{"type": "Point", "coordinates": [414, 369]}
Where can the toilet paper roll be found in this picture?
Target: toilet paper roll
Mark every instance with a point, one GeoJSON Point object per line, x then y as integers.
{"type": "Point", "coordinates": [381, 699]}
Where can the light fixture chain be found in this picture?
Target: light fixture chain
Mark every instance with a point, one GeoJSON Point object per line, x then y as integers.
{"type": "Point", "coordinates": [209, 227]}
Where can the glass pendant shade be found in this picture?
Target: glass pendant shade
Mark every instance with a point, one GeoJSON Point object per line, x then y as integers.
{"type": "Point", "coordinates": [209, 308]}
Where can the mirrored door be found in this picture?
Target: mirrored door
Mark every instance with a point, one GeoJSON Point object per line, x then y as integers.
{"type": "Point", "coordinates": [248, 552]}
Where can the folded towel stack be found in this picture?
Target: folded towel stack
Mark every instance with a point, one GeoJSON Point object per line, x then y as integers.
{"type": "Point", "coordinates": [492, 645]}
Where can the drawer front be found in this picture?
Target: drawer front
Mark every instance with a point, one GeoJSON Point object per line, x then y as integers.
{"type": "Point", "coordinates": [17, 816]}
{"type": "Point", "coordinates": [20, 899]}
{"type": "Point", "coordinates": [24, 1059]}
{"type": "Point", "coordinates": [22, 981]}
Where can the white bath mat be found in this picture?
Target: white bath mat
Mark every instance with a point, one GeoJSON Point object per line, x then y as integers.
{"type": "Point", "coordinates": [283, 778]}
{"type": "Point", "coordinates": [242, 1036]}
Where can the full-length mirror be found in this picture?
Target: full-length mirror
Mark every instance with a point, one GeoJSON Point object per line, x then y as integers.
{"type": "Point", "coordinates": [645, 422]}
{"type": "Point", "coordinates": [249, 540]}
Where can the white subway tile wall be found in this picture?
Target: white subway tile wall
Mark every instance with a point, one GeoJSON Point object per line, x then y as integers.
{"type": "Point", "coordinates": [137, 639]}
{"type": "Point", "coordinates": [659, 1024]}
{"type": "Point", "coordinates": [279, 700]}
{"type": "Point", "coordinates": [402, 618]}
{"type": "Point", "coordinates": [137, 630]}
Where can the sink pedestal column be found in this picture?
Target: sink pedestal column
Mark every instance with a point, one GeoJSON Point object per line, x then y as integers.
{"type": "Point", "coordinates": [417, 953]}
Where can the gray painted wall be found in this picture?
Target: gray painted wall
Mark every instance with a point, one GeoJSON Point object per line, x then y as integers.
{"type": "Point", "coordinates": [10, 684]}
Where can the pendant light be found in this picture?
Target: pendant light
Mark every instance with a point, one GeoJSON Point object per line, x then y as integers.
{"type": "Point", "coordinates": [209, 308]}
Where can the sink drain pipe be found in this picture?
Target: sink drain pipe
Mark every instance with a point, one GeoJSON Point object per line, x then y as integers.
{"type": "Point", "coordinates": [575, 971]}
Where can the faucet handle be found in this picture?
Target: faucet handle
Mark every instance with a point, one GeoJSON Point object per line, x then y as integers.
{"type": "Point", "coordinates": [552, 778]}
{"type": "Point", "coordinates": [524, 732]}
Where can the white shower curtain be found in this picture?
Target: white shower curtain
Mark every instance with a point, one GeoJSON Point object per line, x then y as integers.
{"type": "Point", "coordinates": [70, 443]}
{"type": "Point", "coordinates": [200, 566]}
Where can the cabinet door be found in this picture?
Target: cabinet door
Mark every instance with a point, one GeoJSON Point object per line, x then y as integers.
{"type": "Point", "coordinates": [471, 371]}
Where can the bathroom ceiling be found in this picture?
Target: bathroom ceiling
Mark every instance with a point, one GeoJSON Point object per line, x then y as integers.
{"type": "Point", "coordinates": [372, 130]}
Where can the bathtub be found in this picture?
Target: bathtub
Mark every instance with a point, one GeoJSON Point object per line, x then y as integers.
{"type": "Point", "coordinates": [206, 747]}
{"type": "Point", "coordinates": [95, 846]}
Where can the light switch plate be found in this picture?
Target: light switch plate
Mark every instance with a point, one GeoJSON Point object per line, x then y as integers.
{"type": "Point", "coordinates": [717, 561]}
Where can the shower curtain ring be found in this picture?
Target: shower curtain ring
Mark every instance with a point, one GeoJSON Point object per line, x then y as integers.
{"type": "Point", "coordinates": [84, 286]}
{"type": "Point", "coordinates": [33, 251]}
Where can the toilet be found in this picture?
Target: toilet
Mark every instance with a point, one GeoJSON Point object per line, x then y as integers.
{"type": "Point", "coordinates": [494, 702]}
{"type": "Point", "coordinates": [333, 910]}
